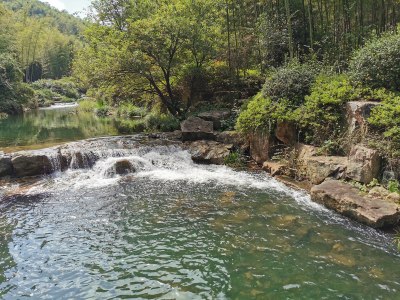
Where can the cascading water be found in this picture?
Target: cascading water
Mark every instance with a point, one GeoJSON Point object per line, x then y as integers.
{"type": "Point", "coordinates": [146, 222]}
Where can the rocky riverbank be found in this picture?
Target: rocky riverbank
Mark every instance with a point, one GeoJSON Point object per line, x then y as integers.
{"type": "Point", "coordinates": [330, 179]}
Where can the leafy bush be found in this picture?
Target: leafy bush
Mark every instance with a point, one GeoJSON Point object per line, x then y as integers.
{"type": "Point", "coordinates": [377, 64]}
{"type": "Point", "coordinates": [87, 105]}
{"type": "Point", "coordinates": [155, 121]}
{"type": "Point", "coordinates": [262, 113]}
{"type": "Point", "coordinates": [393, 186]}
{"type": "Point", "coordinates": [291, 82]}
{"type": "Point", "coordinates": [322, 115]}
{"type": "Point", "coordinates": [102, 111]}
{"type": "Point", "coordinates": [386, 117]}
{"type": "Point", "coordinates": [130, 111]}
{"type": "Point", "coordinates": [235, 160]}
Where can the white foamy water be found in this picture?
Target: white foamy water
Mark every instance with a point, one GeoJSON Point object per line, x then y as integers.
{"type": "Point", "coordinates": [167, 164]}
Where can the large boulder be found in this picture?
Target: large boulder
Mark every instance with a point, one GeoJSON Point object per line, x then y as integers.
{"type": "Point", "coordinates": [347, 200]}
{"type": "Point", "coordinates": [260, 146]}
{"type": "Point", "coordinates": [364, 164]}
{"type": "Point", "coordinates": [195, 128]}
{"type": "Point", "coordinates": [209, 152]}
{"type": "Point", "coordinates": [216, 116]}
{"type": "Point", "coordinates": [34, 163]}
{"type": "Point", "coordinates": [286, 132]}
{"type": "Point", "coordinates": [318, 168]}
{"type": "Point", "coordinates": [5, 165]}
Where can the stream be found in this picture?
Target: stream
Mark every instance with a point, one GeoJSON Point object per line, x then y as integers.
{"type": "Point", "coordinates": [177, 230]}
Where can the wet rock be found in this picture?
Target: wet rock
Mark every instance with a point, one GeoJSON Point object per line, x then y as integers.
{"type": "Point", "coordinates": [364, 164]}
{"type": "Point", "coordinates": [216, 116]}
{"type": "Point", "coordinates": [195, 128]}
{"type": "Point", "coordinates": [286, 132]}
{"type": "Point", "coordinates": [275, 168]}
{"type": "Point", "coordinates": [348, 201]}
{"type": "Point", "coordinates": [6, 168]}
{"type": "Point", "coordinates": [209, 152]}
{"type": "Point", "coordinates": [318, 168]}
{"type": "Point", "coordinates": [260, 146]}
{"type": "Point", "coordinates": [123, 167]}
{"type": "Point", "coordinates": [34, 163]}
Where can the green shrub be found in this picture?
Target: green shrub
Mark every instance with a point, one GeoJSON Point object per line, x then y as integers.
{"type": "Point", "coordinates": [393, 186]}
{"type": "Point", "coordinates": [130, 111]}
{"type": "Point", "coordinates": [235, 160]}
{"type": "Point", "coordinates": [155, 121]}
{"type": "Point", "coordinates": [102, 111]}
{"type": "Point", "coordinates": [322, 115]}
{"type": "Point", "coordinates": [291, 82]}
{"type": "Point", "coordinates": [87, 105]}
{"type": "Point", "coordinates": [262, 113]}
{"type": "Point", "coordinates": [377, 64]}
{"type": "Point", "coordinates": [130, 126]}
{"type": "Point", "coordinates": [386, 117]}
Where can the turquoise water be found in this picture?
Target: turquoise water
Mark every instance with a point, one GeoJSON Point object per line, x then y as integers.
{"type": "Point", "coordinates": [175, 230]}
{"type": "Point", "coordinates": [47, 127]}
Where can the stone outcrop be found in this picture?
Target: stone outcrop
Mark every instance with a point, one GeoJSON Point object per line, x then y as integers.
{"type": "Point", "coordinates": [275, 168]}
{"type": "Point", "coordinates": [318, 168]}
{"type": "Point", "coordinates": [6, 168]}
{"type": "Point", "coordinates": [364, 164]}
{"type": "Point", "coordinates": [216, 116]}
{"type": "Point", "coordinates": [260, 146]}
{"type": "Point", "coordinates": [286, 133]}
{"type": "Point", "coordinates": [357, 114]}
{"type": "Point", "coordinates": [208, 152]}
{"type": "Point", "coordinates": [35, 163]}
{"type": "Point", "coordinates": [348, 201]}
{"type": "Point", "coordinates": [194, 129]}
{"type": "Point", "coordinates": [235, 138]}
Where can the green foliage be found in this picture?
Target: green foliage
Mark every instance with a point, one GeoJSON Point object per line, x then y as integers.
{"type": "Point", "coordinates": [393, 186]}
{"type": "Point", "coordinates": [130, 111]}
{"type": "Point", "coordinates": [377, 65]}
{"type": "Point", "coordinates": [87, 105]}
{"type": "Point", "coordinates": [102, 111]}
{"type": "Point", "coordinates": [262, 113]}
{"type": "Point", "coordinates": [235, 160]}
{"type": "Point", "coordinates": [386, 117]}
{"type": "Point", "coordinates": [155, 121]}
{"type": "Point", "coordinates": [48, 91]}
{"type": "Point", "coordinates": [322, 115]}
{"type": "Point", "coordinates": [13, 93]}
{"type": "Point", "coordinates": [291, 82]}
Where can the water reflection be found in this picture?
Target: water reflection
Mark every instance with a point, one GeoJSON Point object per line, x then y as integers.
{"type": "Point", "coordinates": [41, 128]}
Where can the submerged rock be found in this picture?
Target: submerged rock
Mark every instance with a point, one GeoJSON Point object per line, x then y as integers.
{"type": "Point", "coordinates": [194, 129]}
{"type": "Point", "coordinates": [209, 152]}
{"type": "Point", "coordinates": [123, 167]}
{"type": "Point", "coordinates": [347, 200]}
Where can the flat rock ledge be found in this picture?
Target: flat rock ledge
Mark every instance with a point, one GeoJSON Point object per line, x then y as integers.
{"type": "Point", "coordinates": [348, 201]}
